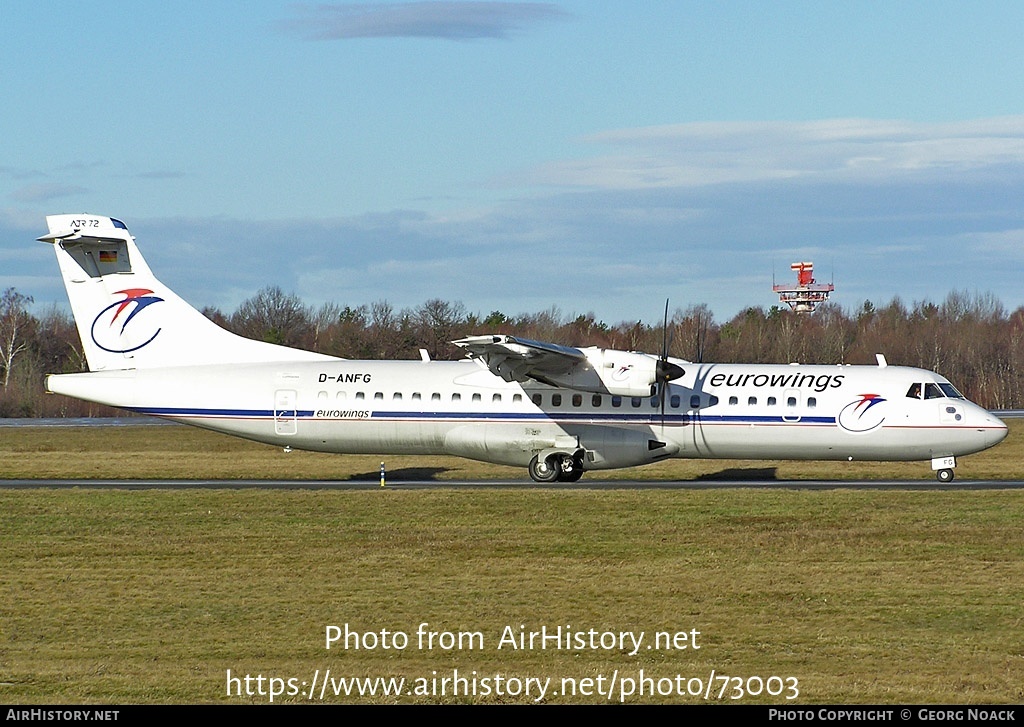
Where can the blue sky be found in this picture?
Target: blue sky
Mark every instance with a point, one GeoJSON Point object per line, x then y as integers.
{"type": "Point", "coordinates": [593, 156]}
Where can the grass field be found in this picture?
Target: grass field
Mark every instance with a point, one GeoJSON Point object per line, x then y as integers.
{"type": "Point", "coordinates": [861, 596]}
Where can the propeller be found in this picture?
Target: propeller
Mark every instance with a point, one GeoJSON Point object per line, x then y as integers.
{"type": "Point", "coordinates": [664, 370]}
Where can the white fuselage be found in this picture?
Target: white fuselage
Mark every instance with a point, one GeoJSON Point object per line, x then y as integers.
{"type": "Point", "coordinates": [743, 411]}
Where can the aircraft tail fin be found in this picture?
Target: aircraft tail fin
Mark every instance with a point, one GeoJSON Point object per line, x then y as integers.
{"type": "Point", "coordinates": [126, 318]}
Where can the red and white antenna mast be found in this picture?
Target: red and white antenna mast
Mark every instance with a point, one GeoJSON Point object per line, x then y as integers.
{"type": "Point", "coordinates": [806, 294]}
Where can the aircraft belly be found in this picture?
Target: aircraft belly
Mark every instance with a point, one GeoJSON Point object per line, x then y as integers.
{"type": "Point", "coordinates": [795, 440]}
{"type": "Point", "coordinates": [501, 443]}
{"type": "Point", "coordinates": [369, 436]}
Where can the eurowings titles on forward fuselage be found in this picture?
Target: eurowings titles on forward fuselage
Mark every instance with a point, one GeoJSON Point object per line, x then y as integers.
{"type": "Point", "coordinates": [556, 410]}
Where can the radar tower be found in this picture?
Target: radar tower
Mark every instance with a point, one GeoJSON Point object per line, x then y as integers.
{"type": "Point", "coordinates": [806, 294]}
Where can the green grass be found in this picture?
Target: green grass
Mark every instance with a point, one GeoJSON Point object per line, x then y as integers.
{"type": "Point", "coordinates": [121, 596]}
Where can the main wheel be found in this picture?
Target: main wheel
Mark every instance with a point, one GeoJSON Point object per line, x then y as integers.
{"type": "Point", "coordinates": [543, 470]}
{"type": "Point", "coordinates": [570, 469]}
{"type": "Point", "coordinates": [571, 476]}
{"type": "Point", "coordinates": [945, 475]}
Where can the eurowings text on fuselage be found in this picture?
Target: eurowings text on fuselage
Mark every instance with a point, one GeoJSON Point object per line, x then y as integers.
{"type": "Point", "coordinates": [557, 410]}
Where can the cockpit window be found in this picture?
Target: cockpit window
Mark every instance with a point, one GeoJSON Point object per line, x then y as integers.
{"type": "Point", "coordinates": [950, 391]}
{"type": "Point", "coordinates": [933, 391]}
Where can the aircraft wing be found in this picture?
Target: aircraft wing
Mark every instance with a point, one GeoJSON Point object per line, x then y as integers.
{"type": "Point", "coordinates": [598, 370]}
{"type": "Point", "coordinates": [519, 359]}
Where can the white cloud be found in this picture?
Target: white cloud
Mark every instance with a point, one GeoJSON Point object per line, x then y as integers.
{"type": "Point", "coordinates": [839, 150]}
{"type": "Point", "coordinates": [444, 20]}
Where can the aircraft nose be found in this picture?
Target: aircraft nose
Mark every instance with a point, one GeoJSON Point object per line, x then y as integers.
{"type": "Point", "coordinates": [993, 428]}
{"type": "Point", "coordinates": [1000, 430]}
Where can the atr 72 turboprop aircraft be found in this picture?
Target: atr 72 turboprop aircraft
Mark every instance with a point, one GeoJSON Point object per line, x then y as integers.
{"type": "Point", "coordinates": [557, 410]}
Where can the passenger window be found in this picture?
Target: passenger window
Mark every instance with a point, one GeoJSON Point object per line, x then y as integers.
{"type": "Point", "coordinates": [340, 396]}
{"type": "Point", "coordinates": [595, 400]}
{"type": "Point", "coordinates": [496, 398]}
{"type": "Point", "coordinates": [636, 401]}
{"type": "Point", "coordinates": [397, 396]}
{"type": "Point", "coordinates": [322, 396]}
{"type": "Point", "coordinates": [516, 398]}
{"type": "Point", "coordinates": [379, 395]}
{"type": "Point", "coordinates": [674, 401]}
{"type": "Point", "coordinates": [476, 397]}
{"type": "Point", "coordinates": [577, 400]}
{"type": "Point", "coordinates": [752, 401]}
{"type": "Point", "coordinates": [435, 396]}
{"type": "Point", "coordinates": [416, 396]}
{"type": "Point", "coordinates": [811, 402]}
{"type": "Point", "coordinates": [695, 402]}
{"type": "Point", "coordinates": [456, 397]}
{"type": "Point", "coordinates": [360, 395]}
{"type": "Point", "coordinates": [556, 400]}
{"type": "Point", "coordinates": [536, 399]}
{"type": "Point", "coordinates": [791, 402]}
{"type": "Point", "coordinates": [771, 401]}
{"type": "Point", "coordinates": [733, 401]}
{"type": "Point", "coordinates": [616, 401]}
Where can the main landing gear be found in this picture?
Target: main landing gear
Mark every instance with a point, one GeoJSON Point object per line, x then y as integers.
{"type": "Point", "coordinates": [556, 468]}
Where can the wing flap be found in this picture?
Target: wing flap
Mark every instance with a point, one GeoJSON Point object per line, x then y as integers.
{"type": "Point", "coordinates": [521, 359]}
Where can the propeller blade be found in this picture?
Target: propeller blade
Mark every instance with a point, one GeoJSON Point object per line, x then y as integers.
{"type": "Point", "coordinates": [664, 370]}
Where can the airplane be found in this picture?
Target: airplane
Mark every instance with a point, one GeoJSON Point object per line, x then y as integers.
{"type": "Point", "coordinates": [557, 410]}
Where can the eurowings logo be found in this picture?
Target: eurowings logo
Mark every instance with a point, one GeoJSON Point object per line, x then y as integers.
{"type": "Point", "coordinates": [862, 415]}
{"type": "Point", "coordinates": [110, 328]}
{"type": "Point", "coordinates": [622, 373]}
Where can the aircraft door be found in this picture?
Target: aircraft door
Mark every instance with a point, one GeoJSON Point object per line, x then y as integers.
{"type": "Point", "coordinates": [285, 414]}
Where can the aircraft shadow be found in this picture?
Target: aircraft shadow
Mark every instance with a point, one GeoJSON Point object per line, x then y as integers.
{"type": "Point", "coordinates": [404, 474]}
{"type": "Point", "coordinates": [742, 473]}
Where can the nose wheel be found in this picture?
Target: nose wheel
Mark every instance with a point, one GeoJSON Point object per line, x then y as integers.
{"type": "Point", "coordinates": [944, 475]}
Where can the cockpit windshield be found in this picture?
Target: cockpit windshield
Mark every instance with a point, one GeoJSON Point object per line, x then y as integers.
{"type": "Point", "coordinates": [930, 390]}
{"type": "Point", "coordinates": [950, 391]}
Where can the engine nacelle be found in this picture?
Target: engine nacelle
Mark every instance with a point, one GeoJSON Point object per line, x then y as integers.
{"type": "Point", "coordinates": [607, 371]}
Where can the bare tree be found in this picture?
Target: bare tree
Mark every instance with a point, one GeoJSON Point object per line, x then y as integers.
{"type": "Point", "coordinates": [692, 333]}
{"type": "Point", "coordinates": [275, 317]}
{"type": "Point", "coordinates": [439, 323]}
{"type": "Point", "coordinates": [14, 328]}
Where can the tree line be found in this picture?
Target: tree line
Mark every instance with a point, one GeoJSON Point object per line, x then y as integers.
{"type": "Point", "coordinates": [970, 339]}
